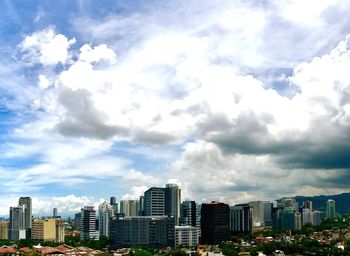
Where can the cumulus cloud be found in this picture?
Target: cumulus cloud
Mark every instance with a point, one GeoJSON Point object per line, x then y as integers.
{"type": "Point", "coordinates": [46, 47]}
{"type": "Point", "coordinates": [196, 85]}
{"type": "Point", "coordinates": [43, 205]}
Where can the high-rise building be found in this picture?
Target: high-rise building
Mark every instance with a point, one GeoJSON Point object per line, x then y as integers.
{"type": "Point", "coordinates": [297, 220]}
{"type": "Point", "coordinates": [330, 209]}
{"type": "Point", "coordinates": [130, 207]}
{"type": "Point", "coordinates": [77, 221]}
{"type": "Point", "coordinates": [44, 230]}
{"type": "Point", "coordinates": [189, 214]}
{"type": "Point", "coordinates": [88, 224]}
{"type": "Point", "coordinates": [60, 230]}
{"type": "Point", "coordinates": [187, 236]}
{"type": "Point", "coordinates": [4, 229]}
{"type": "Point", "coordinates": [105, 213]}
{"type": "Point", "coordinates": [113, 200]}
{"type": "Point", "coordinates": [241, 218]}
{"type": "Point", "coordinates": [215, 223]}
{"type": "Point", "coordinates": [316, 218]}
{"type": "Point", "coordinates": [48, 230]}
{"type": "Point", "coordinates": [113, 203]}
{"type": "Point", "coordinates": [267, 213]}
{"type": "Point", "coordinates": [287, 218]}
{"type": "Point", "coordinates": [54, 212]}
{"type": "Point", "coordinates": [276, 217]}
{"type": "Point", "coordinates": [172, 201]}
{"type": "Point", "coordinates": [26, 203]}
{"type": "Point", "coordinates": [154, 202]}
{"type": "Point", "coordinates": [154, 231]}
{"type": "Point", "coordinates": [16, 229]}
{"type": "Point", "coordinates": [308, 205]}
{"type": "Point", "coordinates": [306, 216]}
{"type": "Point", "coordinates": [142, 206]}
{"type": "Point", "coordinates": [290, 203]}
{"type": "Point", "coordinates": [258, 213]}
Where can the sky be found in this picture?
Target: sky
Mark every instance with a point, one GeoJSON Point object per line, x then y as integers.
{"type": "Point", "coordinates": [232, 100]}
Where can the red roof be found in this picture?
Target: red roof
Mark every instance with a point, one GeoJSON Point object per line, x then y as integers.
{"type": "Point", "coordinates": [7, 250]}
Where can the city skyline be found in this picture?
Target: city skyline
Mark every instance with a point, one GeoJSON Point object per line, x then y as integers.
{"type": "Point", "coordinates": [236, 101]}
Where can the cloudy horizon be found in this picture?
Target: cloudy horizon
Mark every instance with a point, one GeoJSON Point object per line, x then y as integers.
{"type": "Point", "coordinates": [232, 100]}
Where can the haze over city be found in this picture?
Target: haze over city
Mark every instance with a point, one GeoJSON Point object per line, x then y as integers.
{"type": "Point", "coordinates": [232, 100]}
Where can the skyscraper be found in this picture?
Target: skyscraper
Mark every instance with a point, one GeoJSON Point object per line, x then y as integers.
{"type": "Point", "coordinates": [215, 223]}
{"type": "Point", "coordinates": [142, 206]}
{"type": "Point", "coordinates": [308, 205]}
{"type": "Point", "coordinates": [258, 213]}
{"type": "Point", "coordinates": [172, 201]}
{"type": "Point", "coordinates": [4, 230]}
{"type": "Point", "coordinates": [241, 218]}
{"type": "Point", "coordinates": [16, 225]}
{"type": "Point", "coordinates": [297, 220]}
{"type": "Point", "coordinates": [330, 209]}
{"type": "Point", "coordinates": [26, 203]}
{"type": "Point", "coordinates": [316, 218]}
{"type": "Point", "coordinates": [105, 213]}
{"type": "Point", "coordinates": [54, 212]}
{"type": "Point", "coordinates": [130, 207]}
{"type": "Point", "coordinates": [307, 216]}
{"type": "Point", "coordinates": [154, 202]}
{"type": "Point", "coordinates": [88, 224]}
{"type": "Point", "coordinates": [113, 203]}
{"type": "Point", "coordinates": [189, 214]}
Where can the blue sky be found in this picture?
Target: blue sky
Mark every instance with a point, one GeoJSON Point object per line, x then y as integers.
{"type": "Point", "coordinates": [238, 100]}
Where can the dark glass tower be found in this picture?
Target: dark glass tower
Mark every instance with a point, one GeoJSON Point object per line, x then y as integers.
{"type": "Point", "coordinates": [215, 223]}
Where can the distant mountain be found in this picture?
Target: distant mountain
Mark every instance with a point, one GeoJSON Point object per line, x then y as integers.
{"type": "Point", "coordinates": [342, 202]}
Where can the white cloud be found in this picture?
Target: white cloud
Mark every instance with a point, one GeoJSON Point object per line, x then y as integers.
{"type": "Point", "coordinates": [193, 80]}
{"type": "Point", "coordinates": [43, 205]}
{"type": "Point", "coordinates": [46, 47]}
{"type": "Point", "coordinates": [135, 193]}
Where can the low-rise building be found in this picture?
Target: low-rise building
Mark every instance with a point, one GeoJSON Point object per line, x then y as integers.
{"type": "Point", "coordinates": [187, 235]}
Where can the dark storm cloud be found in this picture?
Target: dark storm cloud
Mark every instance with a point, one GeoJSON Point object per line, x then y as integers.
{"type": "Point", "coordinates": [83, 119]}
{"type": "Point", "coordinates": [323, 146]}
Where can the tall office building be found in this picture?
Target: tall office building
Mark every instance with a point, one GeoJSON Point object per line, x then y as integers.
{"type": "Point", "coordinates": [258, 213]}
{"type": "Point", "coordinates": [307, 216]}
{"type": "Point", "coordinates": [113, 200]}
{"type": "Point", "coordinates": [316, 218]}
{"type": "Point", "coordinates": [297, 220]}
{"type": "Point", "coordinates": [241, 218]}
{"type": "Point", "coordinates": [154, 231]}
{"type": "Point", "coordinates": [267, 213]}
{"type": "Point", "coordinates": [154, 202]}
{"type": "Point", "coordinates": [77, 221]}
{"type": "Point", "coordinates": [88, 224]}
{"type": "Point", "coordinates": [105, 213]}
{"type": "Point", "coordinates": [215, 223]}
{"type": "Point", "coordinates": [142, 206]}
{"type": "Point", "coordinates": [44, 230]}
{"type": "Point", "coordinates": [189, 214]}
{"type": "Point", "coordinates": [113, 203]}
{"type": "Point", "coordinates": [287, 218]}
{"type": "Point", "coordinates": [54, 212]}
{"type": "Point", "coordinates": [290, 203]}
{"type": "Point", "coordinates": [16, 229]}
{"type": "Point", "coordinates": [172, 201]}
{"type": "Point", "coordinates": [330, 209]}
{"type": "Point", "coordinates": [60, 230]}
{"type": "Point", "coordinates": [130, 207]}
{"type": "Point", "coordinates": [26, 203]}
{"type": "Point", "coordinates": [308, 205]}
{"type": "Point", "coordinates": [4, 230]}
